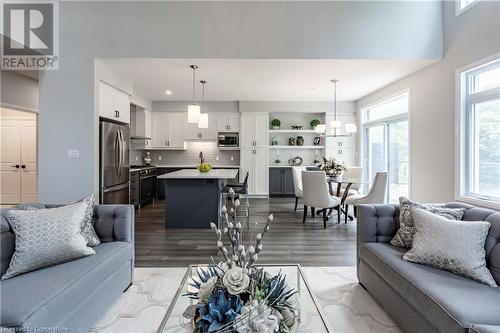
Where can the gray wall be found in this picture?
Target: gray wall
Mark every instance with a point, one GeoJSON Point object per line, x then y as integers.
{"type": "Point", "coordinates": [470, 37]}
{"type": "Point", "coordinates": [18, 91]}
{"type": "Point", "coordinates": [89, 30]}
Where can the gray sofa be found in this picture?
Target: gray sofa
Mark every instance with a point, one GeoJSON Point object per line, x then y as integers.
{"type": "Point", "coordinates": [421, 298]}
{"type": "Point", "coordinates": [71, 296]}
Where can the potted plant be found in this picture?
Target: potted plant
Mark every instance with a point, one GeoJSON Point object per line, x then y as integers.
{"type": "Point", "coordinates": [333, 167]}
{"type": "Point", "coordinates": [276, 123]}
{"type": "Point", "coordinates": [315, 122]}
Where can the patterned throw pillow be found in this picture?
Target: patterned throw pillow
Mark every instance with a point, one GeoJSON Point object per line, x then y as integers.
{"type": "Point", "coordinates": [87, 224]}
{"type": "Point", "coordinates": [455, 246]}
{"type": "Point", "coordinates": [47, 237]}
{"type": "Point", "coordinates": [404, 235]}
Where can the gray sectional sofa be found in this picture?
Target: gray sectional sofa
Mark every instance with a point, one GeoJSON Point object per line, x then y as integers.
{"type": "Point", "coordinates": [421, 298]}
{"type": "Point", "coordinates": [71, 296]}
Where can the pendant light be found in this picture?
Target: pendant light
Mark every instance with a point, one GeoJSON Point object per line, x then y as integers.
{"type": "Point", "coordinates": [194, 109]}
{"type": "Point", "coordinates": [336, 124]}
{"type": "Point", "coordinates": [203, 120]}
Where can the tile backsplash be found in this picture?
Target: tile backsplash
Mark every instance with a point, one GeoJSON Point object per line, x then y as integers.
{"type": "Point", "coordinates": [190, 156]}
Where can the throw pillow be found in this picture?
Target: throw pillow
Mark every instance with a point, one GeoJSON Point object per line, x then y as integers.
{"type": "Point", "coordinates": [404, 235]}
{"type": "Point", "coordinates": [47, 237]}
{"type": "Point", "coordinates": [455, 246]}
{"type": "Point", "coordinates": [87, 223]}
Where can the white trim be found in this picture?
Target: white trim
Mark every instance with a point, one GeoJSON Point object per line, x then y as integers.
{"type": "Point", "coordinates": [461, 130]}
{"type": "Point", "coordinates": [384, 99]}
{"type": "Point", "coordinates": [459, 11]}
{"type": "Point", "coordinates": [19, 108]}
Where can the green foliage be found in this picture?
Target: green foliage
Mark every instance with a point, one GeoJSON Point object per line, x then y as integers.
{"type": "Point", "coordinates": [315, 122]}
{"type": "Point", "coordinates": [276, 123]}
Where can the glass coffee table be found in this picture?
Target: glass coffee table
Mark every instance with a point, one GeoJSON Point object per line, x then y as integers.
{"type": "Point", "coordinates": [312, 319]}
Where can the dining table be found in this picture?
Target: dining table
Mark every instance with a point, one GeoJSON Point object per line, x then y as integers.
{"type": "Point", "coordinates": [342, 183]}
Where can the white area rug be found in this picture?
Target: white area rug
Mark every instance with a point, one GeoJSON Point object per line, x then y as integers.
{"type": "Point", "coordinates": [348, 307]}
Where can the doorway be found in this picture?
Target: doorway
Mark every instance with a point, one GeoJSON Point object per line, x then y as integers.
{"type": "Point", "coordinates": [386, 144]}
{"type": "Point", "coordinates": [18, 156]}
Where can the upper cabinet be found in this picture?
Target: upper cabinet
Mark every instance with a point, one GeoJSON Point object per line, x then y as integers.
{"type": "Point", "coordinates": [113, 103]}
{"type": "Point", "coordinates": [254, 130]}
{"type": "Point", "coordinates": [195, 133]}
{"type": "Point", "coordinates": [168, 130]}
{"type": "Point", "coordinates": [229, 122]}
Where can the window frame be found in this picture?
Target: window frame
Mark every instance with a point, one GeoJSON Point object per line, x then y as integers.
{"type": "Point", "coordinates": [459, 11]}
{"type": "Point", "coordinates": [465, 100]}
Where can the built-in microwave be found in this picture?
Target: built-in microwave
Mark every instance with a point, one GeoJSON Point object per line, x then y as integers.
{"type": "Point", "coordinates": [228, 140]}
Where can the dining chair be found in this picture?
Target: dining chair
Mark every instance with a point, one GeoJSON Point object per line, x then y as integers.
{"type": "Point", "coordinates": [297, 183]}
{"type": "Point", "coordinates": [356, 174]}
{"type": "Point", "coordinates": [239, 189]}
{"type": "Point", "coordinates": [376, 194]}
{"type": "Point", "coordinates": [316, 194]}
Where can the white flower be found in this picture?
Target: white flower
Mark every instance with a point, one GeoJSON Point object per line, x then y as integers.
{"type": "Point", "coordinates": [235, 281]}
{"type": "Point", "coordinates": [238, 225]}
{"type": "Point", "coordinates": [206, 289]}
{"type": "Point", "coordinates": [212, 225]}
{"type": "Point", "coordinates": [261, 319]}
{"type": "Point", "coordinates": [270, 218]}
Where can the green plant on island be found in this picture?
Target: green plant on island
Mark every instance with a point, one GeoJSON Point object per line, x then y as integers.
{"type": "Point", "coordinates": [315, 122]}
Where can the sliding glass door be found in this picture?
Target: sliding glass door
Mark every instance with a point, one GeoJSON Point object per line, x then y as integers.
{"type": "Point", "coordinates": [386, 145]}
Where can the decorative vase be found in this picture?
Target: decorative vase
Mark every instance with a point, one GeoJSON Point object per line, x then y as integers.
{"type": "Point", "coordinates": [291, 141]}
{"type": "Point", "coordinates": [300, 141]}
{"type": "Point", "coordinates": [274, 141]}
{"type": "Point", "coordinates": [316, 141]}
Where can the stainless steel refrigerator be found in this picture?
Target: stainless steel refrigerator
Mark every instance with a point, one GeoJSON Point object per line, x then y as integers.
{"type": "Point", "coordinates": [114, 163]}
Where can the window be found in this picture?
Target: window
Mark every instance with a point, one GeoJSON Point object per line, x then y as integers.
{"type": "Point", "coordinates": [386, 144]}
{"type": "Point", "coordinates": [480, 133]}
{"type": "Point", "coordinates": [463, 5]}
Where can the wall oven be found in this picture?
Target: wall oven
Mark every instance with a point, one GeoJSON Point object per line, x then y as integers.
{"type": "Point", "coordinates": [228, 140]}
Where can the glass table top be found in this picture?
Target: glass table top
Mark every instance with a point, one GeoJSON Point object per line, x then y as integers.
{"type": "Point", "coordinates": [311, 317]}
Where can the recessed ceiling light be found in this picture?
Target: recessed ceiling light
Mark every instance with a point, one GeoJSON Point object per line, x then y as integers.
{"type": "Point", "coordinates": [168, 92]}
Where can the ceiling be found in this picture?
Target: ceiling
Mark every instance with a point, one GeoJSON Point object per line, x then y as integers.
{"type": "Point", "coordinates": [262, 80]}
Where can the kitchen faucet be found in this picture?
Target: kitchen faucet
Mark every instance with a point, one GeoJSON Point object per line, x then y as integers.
{"type": "Point", "coordinates": [201, 157]}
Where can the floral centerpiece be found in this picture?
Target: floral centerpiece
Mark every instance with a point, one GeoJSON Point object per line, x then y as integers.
{"type": "Point", "coordinates": [333, 166]}
{"type": "Point", "coordinates": [236, 296]}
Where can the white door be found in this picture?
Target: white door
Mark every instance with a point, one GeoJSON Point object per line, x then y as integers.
{"type": "Point", "coordinates": [10, 156]}
{"type": "Point", "coordinates": [260, 171]}
{"type": "Point", "coordinates": [233, 122]}
{"type": "Point", "coordinates": [176, 124]}
{"type": "Point", "coordinates": [261, 127]}
{"type": "Point", "coordinates": [247, 127]}
{"type": "Point", "coordinates": [159, 130]}
{"type": "Point", "coordinates": [28, 161]}
{"type": "Point", "coordinates": [222, 122]}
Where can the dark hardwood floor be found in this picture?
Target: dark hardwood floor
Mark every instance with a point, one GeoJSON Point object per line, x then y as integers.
{"type": "Point", "coordinates": [288, 240]}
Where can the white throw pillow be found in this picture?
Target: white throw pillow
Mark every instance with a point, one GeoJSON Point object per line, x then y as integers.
{"type": "Point", "coordinates": [47, 237]}
{"type": "Point", "coordinates": [455, 246]}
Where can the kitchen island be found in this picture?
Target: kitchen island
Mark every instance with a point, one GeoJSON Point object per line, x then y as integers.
{"type": "Point", "coordinates": [192, 198]}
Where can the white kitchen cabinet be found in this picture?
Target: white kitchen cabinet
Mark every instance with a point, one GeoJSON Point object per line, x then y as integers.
{"type": "Point", "coordinates": [192, 132]}
{"type": "Point", "coordinates": [255, 161]}
{"type": "Point", "coordinates": [342, 148]}
{"type": "Point", "coordinates": [113, 103]}
{"type": "Point", "coordinates": [142, 128]}
{"type": "Point", "coordinates": [254, 130]}
{"type": "Point", "coordinates": [167, 130]}
{"type": "Point", "coordinates": [228, 122]}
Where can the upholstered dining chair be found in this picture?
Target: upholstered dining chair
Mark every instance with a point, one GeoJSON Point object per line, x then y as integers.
{"type": "Point", "coordinates": [376, 194]}
{"type": "Point", "coordinates": [316, 194]}
{"type": "Point", "coordinates": [356, 174]}
{"type": "Point", "coordinates": [297, 183]}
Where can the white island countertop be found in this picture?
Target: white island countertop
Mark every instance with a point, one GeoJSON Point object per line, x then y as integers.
{"type": "Point", "coordinates": [195, 174]}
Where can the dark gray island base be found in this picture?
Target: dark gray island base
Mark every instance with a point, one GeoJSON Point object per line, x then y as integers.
{"type": "Point", "coordinates": [192, 198]}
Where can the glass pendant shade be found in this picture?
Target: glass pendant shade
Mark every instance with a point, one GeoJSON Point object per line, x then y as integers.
{"type": "Point", "coordinates": [350, 128]}
{"type": "Point", "coordinates": [203, 121]}
{"type": "Point", "coordinates": [193, 113]}
{"type": "Point", "coordinates": [321, 128]}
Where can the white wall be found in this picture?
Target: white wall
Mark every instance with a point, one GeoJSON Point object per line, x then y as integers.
{"type": "Point", "coordinates": [472, 36]}
{"type": "Point", "coordinates": [182, 29]}
{"type": "Point", "coordinates": [181, 106]}
{"type": "Point", "coordinates": [18, 91]}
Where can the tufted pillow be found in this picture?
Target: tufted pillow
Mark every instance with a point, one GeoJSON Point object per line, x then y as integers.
{"type": "Point", "coordinates": [404, 235]}
{"type": "Point", "coordinates": [455, 246]}
{"type": "Point", "coordinates": [46, 237]}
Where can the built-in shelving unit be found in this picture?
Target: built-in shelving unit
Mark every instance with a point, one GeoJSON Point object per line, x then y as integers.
{"type": "Point", "coordinates": [301, 131]}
